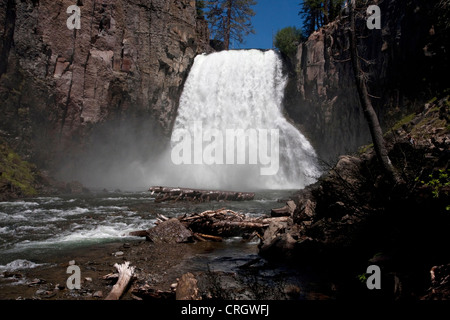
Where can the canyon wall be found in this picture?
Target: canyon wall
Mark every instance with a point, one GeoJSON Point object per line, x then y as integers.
{"type": "Point", "coordinates": [404, 61]}
{"type": "Point", "coordinates": [64, 92]}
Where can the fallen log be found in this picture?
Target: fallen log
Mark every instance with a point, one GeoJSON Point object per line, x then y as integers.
{"type": "Point", "coordinates": [208, 237]}
{"type": "Point", "coordinates": [125, 274]}
{"type": "Point", "coordinates": [224, 223]}
{"type": "Point", "coordinates": [184, 194]}
{"type": "Point", "coordinates": [210, 225]}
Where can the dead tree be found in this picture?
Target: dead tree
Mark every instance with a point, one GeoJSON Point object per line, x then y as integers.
{"type": "Point", "coordinates": [364, 98]}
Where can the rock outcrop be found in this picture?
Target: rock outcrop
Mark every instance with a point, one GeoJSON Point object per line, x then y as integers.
{"type": "Point", "coordinates": [403, 60]}
{"type": "Point", "coordinates": [352, 213]}
{"type": "Point", "coordinates": [128, 60]}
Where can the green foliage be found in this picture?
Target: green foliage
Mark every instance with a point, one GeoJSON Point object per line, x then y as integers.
{"type": "Point", "coordinates": [365, 148]}
{"type": "Point", "coordinates": [362, 277]}
{"type": "Point", "coordinates": [438, 181]}
{"type": "Point", "coordinates": [230, 20]}
{"type": "Point", "coordinates": [16, 173]}
{"type": "Point", "coordinates": [402, 122]}
{"type": "Point", "coordinates": [287, 40]}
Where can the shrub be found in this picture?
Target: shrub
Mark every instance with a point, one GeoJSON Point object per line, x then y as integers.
{"type": "Point", "coordinates": [287, 40]}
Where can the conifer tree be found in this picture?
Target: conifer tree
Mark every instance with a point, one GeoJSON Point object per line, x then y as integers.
{"type": "Point", "coordinates": [230, 20]}
{"type": "Point", "coordinates": [316, 13]}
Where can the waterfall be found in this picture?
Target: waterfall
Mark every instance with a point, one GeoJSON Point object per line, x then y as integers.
{"type": "Point", "coordinates": [238, 92]}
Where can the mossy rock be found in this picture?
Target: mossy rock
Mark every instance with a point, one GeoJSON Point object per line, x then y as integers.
{"type": "Point", "coordinates": [18, 178]}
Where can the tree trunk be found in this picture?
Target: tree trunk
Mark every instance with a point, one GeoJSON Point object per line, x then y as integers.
{"type": "Point", "coordinates": [326, 12]}
{"type": "Point", "coordinates": [227, 27]}
{"type": "Point", "coordinates": [369, 112]}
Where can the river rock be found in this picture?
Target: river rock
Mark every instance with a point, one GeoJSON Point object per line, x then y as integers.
{"type": "Point", "coordinates": [170, 231]}
{"type": "Point", "coordinates": [187, 288]}
{"type": "Point", "coordinates": [271, 235]}
{"type": "Point", "coordinates": [440, 283]}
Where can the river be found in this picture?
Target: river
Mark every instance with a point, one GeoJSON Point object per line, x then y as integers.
{"type": "Point", "coordinates": [32, 229]}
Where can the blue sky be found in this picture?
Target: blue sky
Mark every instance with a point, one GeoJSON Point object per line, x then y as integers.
{"type": "Point", "coordinates": [271, 16]}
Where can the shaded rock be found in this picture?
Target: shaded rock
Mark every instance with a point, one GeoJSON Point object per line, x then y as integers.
{"type": "Point", "coordinates": [440, 283]}
{"type": "Point", "coordinates": [305, 205]}
{"type": "Point", "coordinates": [321, 95]}
{"type": "Point", "coordinates": [170, 231]}
{"type": "Point", "coordinates": [276, 240]}
{"type": "Point", "coordinates": [347, 169]}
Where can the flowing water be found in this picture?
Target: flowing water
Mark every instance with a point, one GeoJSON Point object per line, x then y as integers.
{"type": "Point", "coordinates": [234, 90]}
{"type": "Point", "coordinates": [38, 228]}
{"type": "Point", "coordinates": [239, 92]}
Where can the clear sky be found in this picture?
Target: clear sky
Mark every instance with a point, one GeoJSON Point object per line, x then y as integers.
{"type": "Point", "coordinates": [271, 16]}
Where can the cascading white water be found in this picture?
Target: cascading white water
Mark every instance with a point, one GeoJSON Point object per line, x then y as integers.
{"type": "Point", "coordinates": [234, 90]}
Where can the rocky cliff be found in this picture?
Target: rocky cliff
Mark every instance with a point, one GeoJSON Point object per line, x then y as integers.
{"type": "Point", "coordinates": [62, 91]}
{"type": "Point", "coordinates": [405, 62]}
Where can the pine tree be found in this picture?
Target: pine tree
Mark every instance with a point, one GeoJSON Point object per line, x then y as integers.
{"type": "Point", "coordinates": [200, 5]}
{"type": "Point", "coordinates": [230, 20]}
{"type": "Point", "coordinates": [316, 13]}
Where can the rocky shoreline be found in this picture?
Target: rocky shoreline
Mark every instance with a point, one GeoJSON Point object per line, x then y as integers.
{"type": "Point", "coordinates": [158, 270]}
{"type": "Point", "coordinates": [352, 217]}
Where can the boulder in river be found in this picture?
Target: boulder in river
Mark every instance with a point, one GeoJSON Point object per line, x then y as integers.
{"type": "Point", "coordinates": [170, 231]}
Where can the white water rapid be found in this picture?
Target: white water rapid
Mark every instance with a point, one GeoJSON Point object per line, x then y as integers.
{"type": "Point", "coordinates": [238, 92]}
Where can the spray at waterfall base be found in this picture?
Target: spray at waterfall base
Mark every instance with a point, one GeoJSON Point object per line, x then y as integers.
{"type": "Point", "coordinates": [229, 147]}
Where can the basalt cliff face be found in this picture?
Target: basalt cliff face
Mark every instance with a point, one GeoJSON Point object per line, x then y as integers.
{"type": "Point", "coordinates": [405, 62]}
{"type": "Point", "coordinates": [120, 74]}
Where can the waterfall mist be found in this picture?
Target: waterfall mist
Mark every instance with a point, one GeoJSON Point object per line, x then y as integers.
{"type": "Point", "coordinates": [230, 90]}
{"type": "Point", "coordinates": [241, 90]}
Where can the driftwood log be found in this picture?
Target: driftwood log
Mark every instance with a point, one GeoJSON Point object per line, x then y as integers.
{"type": "Point", "coordinates": [184, 194]}
{"type": "Point", "coordinates": [125, 274]}
{"type": "Point", "coordinates": [227, 223]}
{"type": "Point", "coordinates": [212, 225]}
